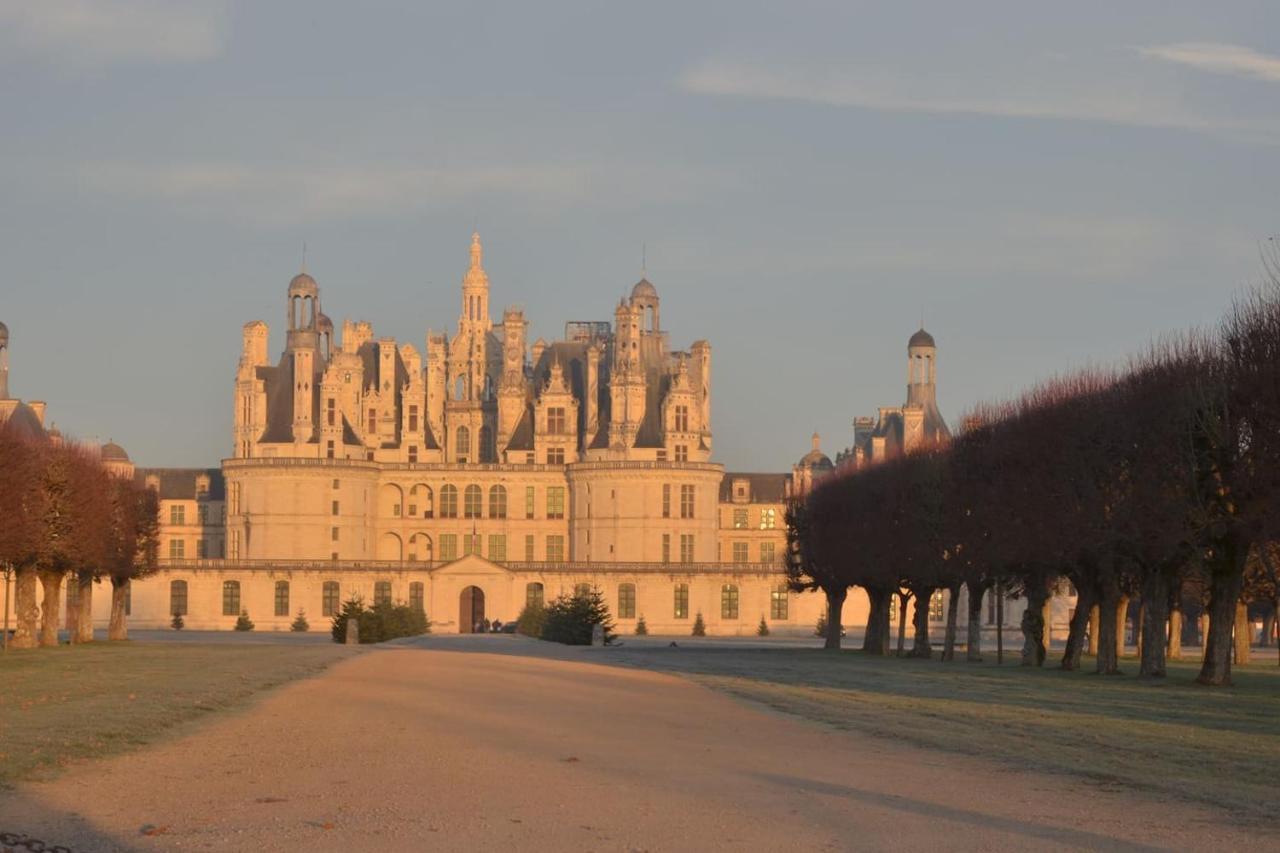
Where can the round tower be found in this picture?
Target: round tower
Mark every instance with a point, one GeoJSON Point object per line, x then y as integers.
{"type": "Point", "coordinates": [922, 369]}
{"type": "Point", "coordinates": [304, 312]}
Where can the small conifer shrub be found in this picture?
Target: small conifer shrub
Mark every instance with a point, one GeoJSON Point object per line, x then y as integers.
{"type": "Point", "coordinates": [699, 627]}
{"type": "Point", "coordinates": [642, 630]}
{"type": "Point", "coordinates": [176, 623]}
{"type": "Point", "coordinates": [244, 623]}
{"type": "Point", "coordinates": [300, 625]}
{"type": "Point", "coordinates": [820, 630]}
{"type": "Point", "coordinates": [762, 630]}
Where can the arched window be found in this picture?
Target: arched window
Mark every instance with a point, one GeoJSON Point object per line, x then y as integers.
{"type": "Point", "coordinates": [472, 499]}
{"type": "Point", "coordinates": [497, 501]}
{"type": "Point", "coordinates": [462, 448]}
{"type": "Point", "coordinates": [420, 548]}
{"type": "Point", "coordinates": [422, 498]}
{"type": "Point", "coordinates": [382, 592]}
{"type": "Point", "coordinates": [460, 388]}
{"type": "Point", "coordinates": [231, 598]}
{"type": "Point", "coordinates": [488, 452]}
{"type": "Point", "coordinates": [449, 501]}
{"type": "Point", "coordinates": [417, 600]}
{"type": "Point", "coordinates": [626, 601]}
{"type": "Point", "coordinates": [282, 598]}
{"type": "Point", "coordinates": [177, 598]}
{"type": "Point", "coordinates": [329, 599]}
{"type": "Point", "coordinates": [533, 595]}
{"type": "Point", "coordinates": [729, 601]}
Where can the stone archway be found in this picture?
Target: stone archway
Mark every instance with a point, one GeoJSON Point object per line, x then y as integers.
{"type": "Point", "coordinates": [470, 609]}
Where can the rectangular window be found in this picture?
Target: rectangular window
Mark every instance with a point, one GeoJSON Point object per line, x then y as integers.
{"type": "Point", "coordinates": [768, 519]}
{"type": "Point", "coordinates": [533, 594]}
{"type": "Point", "coordinates": [448, 546]}
{"type": "Point", "coordinates": [627, 601]}
{"type": "Point", "coordinates": [686, 501]}
{"type": "Point", "coordinates": [682, 418]}
{"type": "Point", "coordinates": [497, 547]}
{"type": "Point", "coordinates": [413, 453]}
{"type": "Point", "coordinates": [779, 603]}
{"type": "Point", "coordinates": [202, 514]}
{"type": "Point", "coordinates": [470, 544]}
{"type": "Point", "coordinates": [202, 549]}
{"type": "Point", "coordinates": [333, 534]}
{"type": "Point", "coordinates": [413, 419]}
{"type": "Point", "coordinates": [740, 519]}
{"type": "Point", "coordinates": [178, 598]}
{"type": "Point", "coordinates": [555, 548]}
{"type": "Point", "coordinates": [686, 547]}
{"type": "Point", "coordinates": [412, 510]}
{"type": "Point", "coordinates": [231, 598]}
{"type": "Point", "coordinates": [682, 453]}
{"type": "Point", "coordinates": [337, 483]}
{"type": "Point", "coordinates": [529, 501]}
{"type": "Point", "coordinates": [740, 552]}
{"type": "Point", "coordinates": [666, 547]}
{"type": "Point", "coordinates": [177, 514]}
{"type": "Point", "coordinates": [766, 552]}
{"type": "Point", "coordinates": [555, 455]}
{"type": "Point", "coordinates": [382, 592]}
{"type": "Point", "coordinates": [528, 548]}
{"type": "Point", "coordinates": [329, 599]}
{"type": "Point", "coordinates": [555, 502]}
{"type": "Point", "coordinates": [335, 508]}
{"type": "Point", "coordinates": [729, 601]}
{"type": "Point", "coordinates": [328, 450]}
{"type": "Point", "coordinates": [417, 600]}
{"type": "Point", "coordinates": [331, 413]}
{"type": "Point", "coordinates": [395, 510]}
{"type": "Point", "coordinates": [682, 601]}
{"type": "Point", "coordinates": [282, 598]}
{"type": "Point", "coordinates": [177, 549]}
{"type": "Point", "coordinates": [662, 455]}
{"type": "Point", "coordinates": [555, 420]}
{"type": "Point", "coordinates": [373, 420]}
{"type": "Point", "coordinates": [666, 500]}
{"type": "Point", "coordinates": [935, 606]}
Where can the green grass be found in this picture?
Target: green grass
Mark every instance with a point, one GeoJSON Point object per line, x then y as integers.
{"type": "Point", "coordinates": [67, 703]}
{"type": "Point", "coordinates": [1167, 737]}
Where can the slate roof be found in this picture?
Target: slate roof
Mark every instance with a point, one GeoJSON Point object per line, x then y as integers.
{"type": "Point", "coordinates": [180, 483]}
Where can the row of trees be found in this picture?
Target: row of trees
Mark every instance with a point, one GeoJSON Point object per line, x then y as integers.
{"type": "Point", "coordinates": [1149, 482]}
{"type": "Point", "coordinates": [65, 519]}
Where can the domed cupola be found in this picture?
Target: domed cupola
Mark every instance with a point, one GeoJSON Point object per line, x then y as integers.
{"type": "Point", "coordinates": [815, 460]}
{"type": "Point", "coordinates": [304, 311]}
{"type": "Point", "coordinates": [921, 339]}
{"type": "Point", "coordinates": [645, 296]}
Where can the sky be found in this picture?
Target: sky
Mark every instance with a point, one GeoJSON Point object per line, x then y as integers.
{"type": "Point", "coordinates": [1047, 186]}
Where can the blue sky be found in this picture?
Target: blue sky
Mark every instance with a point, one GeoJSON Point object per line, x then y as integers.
{"type": "Point", "coordinates": [1050, 185]}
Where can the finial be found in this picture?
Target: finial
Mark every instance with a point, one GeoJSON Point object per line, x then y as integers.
{"type": "Point", "coordinates": [816, 441]}
{"type": "Point", "coordinates": [304, 256]}
{"type": "Point", "coordinates": [644, 269]}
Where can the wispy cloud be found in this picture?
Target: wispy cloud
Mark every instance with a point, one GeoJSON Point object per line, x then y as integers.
{"type": "Point", "coordinates": [1053, 91]}
{"type": "Point", "coordinates": [94, 33]}
{"type": "Point", "coordinates": [281, 195]}
{"type": "Point", "coordinates": [1216, 58]}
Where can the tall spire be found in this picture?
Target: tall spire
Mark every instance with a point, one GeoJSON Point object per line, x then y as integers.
{"type": "Point", "coordinates": [477, 252]}
{"type": "Point", "coordinates": [475, 291]}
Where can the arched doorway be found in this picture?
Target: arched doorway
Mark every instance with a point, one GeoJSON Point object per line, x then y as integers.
{"type": "Point", "coordinates": [470, 609]}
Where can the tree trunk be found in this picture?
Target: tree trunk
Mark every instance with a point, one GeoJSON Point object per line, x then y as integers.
{"type": "Point", "coordinates": [920, 645]}
{"type": "Point", "coordinates": [835, 610]}
{"type": "Point", "coordinates": [973, 652]}
{"type": "Point", "coordinates": [84, 610]}
{"type": "Point", "coordinates": [1093, 630]}
{"type": "Point", "coordinates": [1152, 625]}
{"type": "Point", "coordinates": [50, 607]}
{"type": "Point", "coordinates": [1108, 606]}
{"type": "Point", "coordinates": [902, 620]}
{"type": "Point", "coordinates": [876, 640]}
{"type": "Point", "coordinates": [1243, 637]}
{"type": "Point", "coordinates": [1225, 580]}
{"type": "Point", "coordinates": [1086, 610]}
{"type": "Point", "coordinates": [1033, 650]}
{"type": "Point", "coordinates": [26, 609]}
{"type": "Point", "coordinates": [953, 607]}
{"type": "Point", "coordinates": [119, 627]}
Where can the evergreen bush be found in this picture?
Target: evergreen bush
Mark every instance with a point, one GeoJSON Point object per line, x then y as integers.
{"type": "Point", "coordinates": [384, 621]}
{"type": "Point", "coordinates": [762, 630]}
{"type": "Point", "coordinates": [699, 627]}
{"type": "Point", "coordinates": [177, 624]}
{"type": "Point", "coordinates": [642, 630]}
{"type": "Point", "coordinates": [820, 630]}
{"type": "Point", "coordinates": [571, 619]}
{"type": "Point", "coordinates": [244, 623]}
{"type": "Point", "coordinates": [300, 624]}
{"type": "Point", "coordinates": [531, 619]}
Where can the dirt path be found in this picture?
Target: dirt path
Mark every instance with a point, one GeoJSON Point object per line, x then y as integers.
{"type": "Point", "coordinates": [412, 749]}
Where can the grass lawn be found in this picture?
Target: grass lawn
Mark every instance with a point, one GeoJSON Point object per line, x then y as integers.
{"type": "Point", "coordinates": [1171, 737]}
{"type": "Point", "coordinates": [73, 702]}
